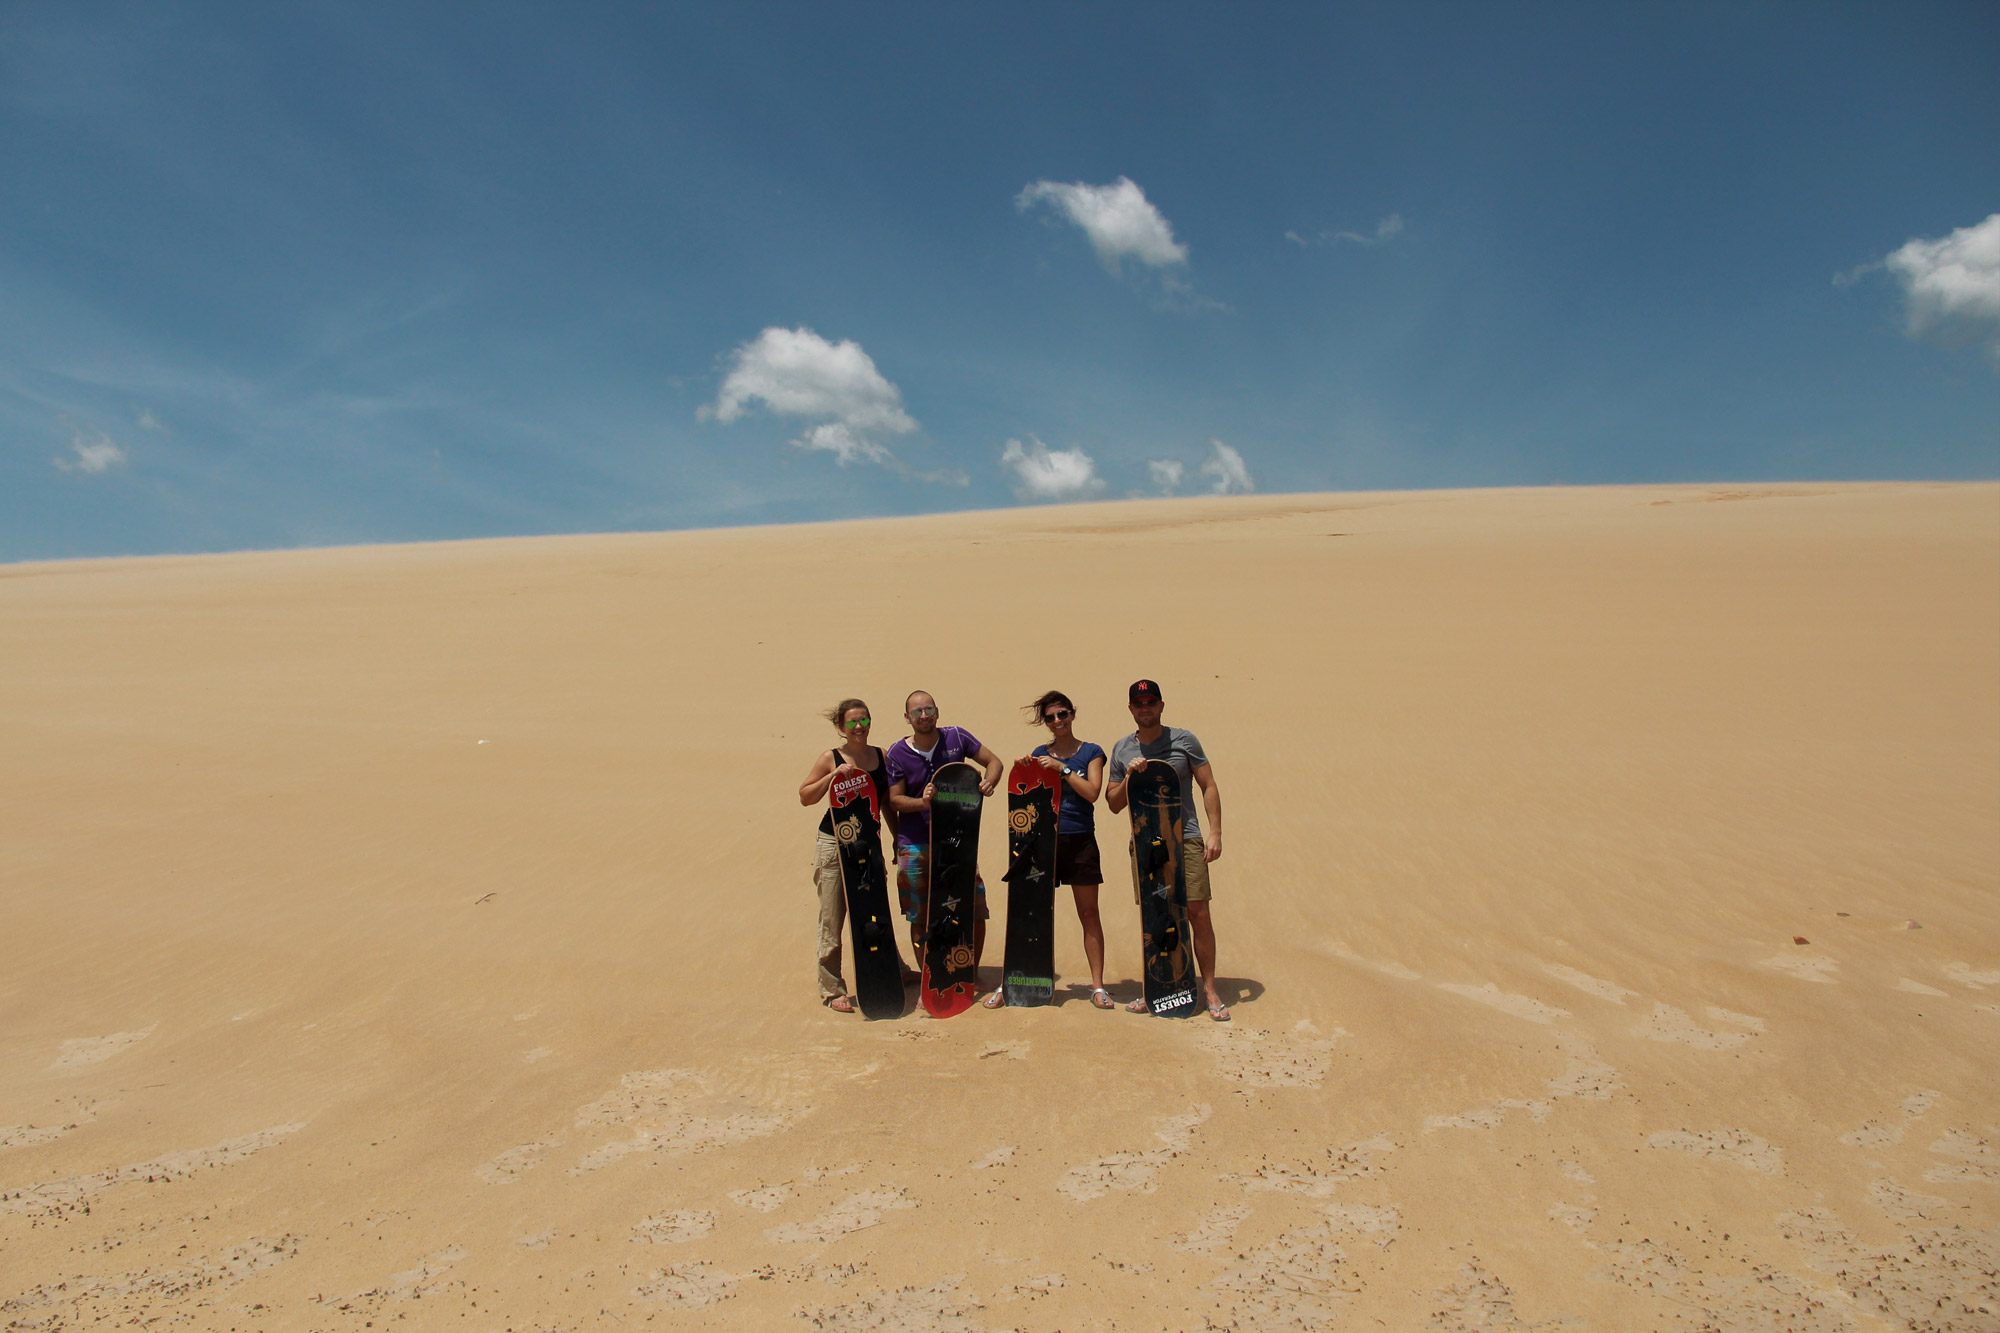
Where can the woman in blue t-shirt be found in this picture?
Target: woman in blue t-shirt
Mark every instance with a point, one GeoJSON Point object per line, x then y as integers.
{"type": "Point", "coordinates": [1081, 764]}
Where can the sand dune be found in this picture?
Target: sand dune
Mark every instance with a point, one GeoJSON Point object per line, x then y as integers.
{"type": "Point", "coordinates": [1608, 906]}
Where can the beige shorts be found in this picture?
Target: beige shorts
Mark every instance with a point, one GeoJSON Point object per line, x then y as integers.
{"type": "Point", "coordinates": [1194, 869]}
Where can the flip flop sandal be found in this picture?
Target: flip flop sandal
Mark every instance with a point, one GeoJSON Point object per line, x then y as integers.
{"type": "Point", "coordinates": [840, 1004]}
{"type": "Point", "coordinates": [1101, 999]}
{"type": "Point", "coordinates": [1139, 1006]}
{"type": "Point", "coordinates": [995, 1000]}
{"type": "Point", "coordinates": [1219, 1012]}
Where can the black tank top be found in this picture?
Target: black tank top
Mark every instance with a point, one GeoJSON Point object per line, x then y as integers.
{"type": "Point", "coordinates": [880, 777]}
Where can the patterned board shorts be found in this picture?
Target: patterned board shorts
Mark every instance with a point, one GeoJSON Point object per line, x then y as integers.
{"type": "Point", "coordinates": [911, 879]}
{"type": "Point", "coordinates": [1194, 863]}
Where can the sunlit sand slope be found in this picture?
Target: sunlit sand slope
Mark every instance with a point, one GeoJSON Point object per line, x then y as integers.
{"type": "Point", "coordinates": [422, 936]}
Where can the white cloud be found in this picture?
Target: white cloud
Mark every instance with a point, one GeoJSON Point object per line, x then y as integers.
{"type": "Point", "coordinates": [1050, 475]}
{"type": "Point", "coordinates": [1385, 230]}
{"type": "Point", "coordinates": [795, 372]}
{"type": "Point", "coordinates": [147, 421]}
{"type": "Point", "coordinates": [844, 443]}
{"type": "Point", "coordinates": [1225, 470]}
{"type": "Point", "coordinates": [91, 452]}
{"type": "Point", "coordinates": [1118, 218]}
{"type": "Point", "coordinates": [1951, 286]}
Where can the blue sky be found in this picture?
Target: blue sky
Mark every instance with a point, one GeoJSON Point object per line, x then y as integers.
{"type": "Point", "coordinates": [279, 275]}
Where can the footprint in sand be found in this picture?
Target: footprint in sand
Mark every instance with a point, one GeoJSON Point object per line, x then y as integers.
{"type": "Point", "coordinates": [169, 1285]}
{"type": "Point", "coordinates": [1940, 1278]}
{"type": "Point", "coordinates": [414, 1284]}
{"type": "Point", "coordinates": [20, 1136]}
{"type": "Point", "coordinates": [1739, 1146]}
{"type": "Point", "coordinates": [1489, 1117]}
{"type": "Point", "coordinates": [674, 1228]}
{"type": "Point", "coordinates": [1478, 1300]}
{"type": "Point", "coordinates": [1772, 1299]}
{"type": "Point", "coordinates": [1040, 1285]}
{"type": "Point", "coordinates": [1589, 985]}
{"type": "Point", "coordinates": [1263, 1060]}
{"type": "Point", "coordinates": [1213, 1232]}
{"type": "Point", "coordinates": [937, 1308]}
{"type": "Point", "coordinates": [1359, 1219]}
{"type": "Point", "coordinates": [72, 1191]}
{"type": "Point", "coordinates": [1977, 1154]}
{"type": "Point", "coordinates": [766, 1200]}
{"type": "Point", "coordinates": [1805, 966]}
{"type": "Point", "coordinates": [1667, 1023]}
{"type": "Point", "coordinates": [856, 1212]}
{"type": "Point", "coordinates": [1133, 1171]}
{"type": "Point", "coordinates": [78, 1052]}
{"type": "Point", "coordinates": [689, 1286]}
{"type": "Point", "coordinates": [1575, 1216]}
{"type": "Point", "coordinates": [1012, 1050]}
{"type": "Point", "coordinates": [1341, 949]}
{"type": "Point", "coordinates": [1876, 1135]}
{"type": "Point", "coordinates": [509, 1166]}
{"type": "Point", "coordinates": [1354, 1162]}
{"type": "Point", "coordinates": [1584, 1077]}
{"type": "Point", "coordinates": [1520, 1006]}
{"type": "Point", "coordinates": [1299, 1279]}
{"type": "Point", "coordinates": [1963, 974]}
{"type": "Point", "coordinates": [657, 1101]}
{"type": "Point", "coordinates": [1907, 1205]}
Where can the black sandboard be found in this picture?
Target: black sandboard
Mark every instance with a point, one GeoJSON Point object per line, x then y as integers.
{"type": "Point", "coordinates": [1165, 947]}
{"type": "Point", "coordinates": [951, 967]}
{"type": "Point", "coordinates": [878, 965]}
{"type": "Point", "coordinates": [1034, 800]}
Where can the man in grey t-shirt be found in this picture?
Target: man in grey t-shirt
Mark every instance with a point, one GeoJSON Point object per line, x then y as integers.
{"type": "Point", "coordinates": [1156, 744]}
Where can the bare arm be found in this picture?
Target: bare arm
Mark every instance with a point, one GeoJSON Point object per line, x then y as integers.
{"type": "Point", "coordinates": [991, 762]}
{"type": "Point", "coordinates": [905, 804]}
{"type": "Point", "coordinates": [818, 779]}
{"type": "Point", "coordinates": [1211, 804]}
{"type": "Point", "coordinates": [1090, 782]}
{"type": "Point", "coordinates": [1115, 796]}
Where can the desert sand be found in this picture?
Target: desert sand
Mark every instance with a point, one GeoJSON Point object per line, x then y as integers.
{"type": "Point", "coordinates": [422, 936]}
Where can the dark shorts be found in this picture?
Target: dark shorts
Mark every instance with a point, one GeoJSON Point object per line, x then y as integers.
{"type": "Point", "coordinates": [1076, 859]}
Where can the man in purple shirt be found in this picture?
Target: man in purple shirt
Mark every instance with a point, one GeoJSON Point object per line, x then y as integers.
{"type": "Point", "coordinates": [913, 762]}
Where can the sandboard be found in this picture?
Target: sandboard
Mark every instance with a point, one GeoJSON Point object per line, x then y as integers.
{"type": "Point", "coordinates": [1034, 801]}
{"type": "Point", "coordinates": [951, 967]}
{"type": "Point", "coordinates": [1165, 945]}
{"type": "Point", "coordinates": [878, 965]}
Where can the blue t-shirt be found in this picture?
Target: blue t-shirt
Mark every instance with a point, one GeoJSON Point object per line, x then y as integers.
{"type": "Point", "coordinates": [1078, 815]}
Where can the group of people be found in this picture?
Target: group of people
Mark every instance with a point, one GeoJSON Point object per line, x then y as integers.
{"type": "Point", "coordinates": [902, 778]}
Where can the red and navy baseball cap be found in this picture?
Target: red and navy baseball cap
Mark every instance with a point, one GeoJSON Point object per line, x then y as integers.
{"type": "Point", "coordinates": [1144, 689]}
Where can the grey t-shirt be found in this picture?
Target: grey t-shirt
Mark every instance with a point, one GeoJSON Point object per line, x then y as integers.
{"type": "Point", "coordinates": [1177, 746]}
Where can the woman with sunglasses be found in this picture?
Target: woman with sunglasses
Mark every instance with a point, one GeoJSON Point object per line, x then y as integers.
{"type": "Point", "coordinates": [854, 754]}
{"type": "Point", "coordinates": [1081, 765]}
